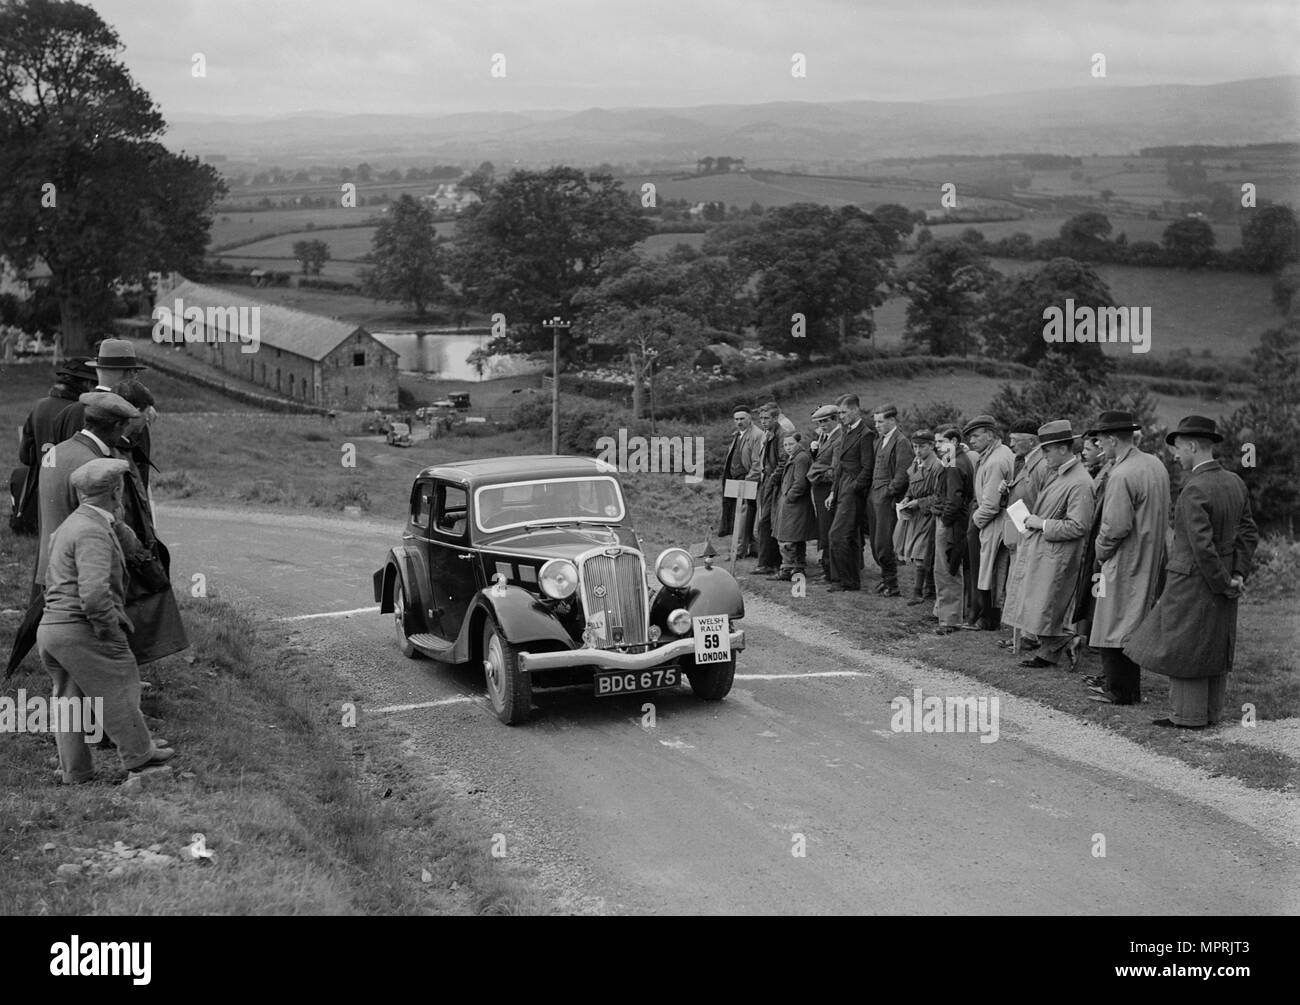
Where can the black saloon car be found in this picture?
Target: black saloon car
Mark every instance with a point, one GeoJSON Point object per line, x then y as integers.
{"type": "Point", "coordinates": [530, 567]}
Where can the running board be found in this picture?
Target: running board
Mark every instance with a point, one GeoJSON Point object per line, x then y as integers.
{"type": "Point", "coordinates": [430, 644]}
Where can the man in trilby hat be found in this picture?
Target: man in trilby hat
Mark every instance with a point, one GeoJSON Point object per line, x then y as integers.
{"type": "Point", "coordinates": [1130, 550]}
{"type": "Point", "coordinates": [1052, 548]}
{"type": "Point", "coordinates": [71, 378]}
{"type": "Point", "coordinates": [1191, 633]}
{"type": "Point", "coordinates": [116, 360]}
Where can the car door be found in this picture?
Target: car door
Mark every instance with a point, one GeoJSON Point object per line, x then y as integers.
{"type": "Point", "coordinates": [454, 572]}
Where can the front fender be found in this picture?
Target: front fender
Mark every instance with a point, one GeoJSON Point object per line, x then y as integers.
{"type": "Point", "coordinates": [409, 564]}
{"type": "Point", "coordinates": [522, 618]}
{"type": "Point", "coordinates": [710, 591]}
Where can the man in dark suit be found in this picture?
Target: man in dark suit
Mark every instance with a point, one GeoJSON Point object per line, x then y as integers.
{"type": "Point", "coordinates": [888, 486]}
{"type": "Point", "coordinates": [820, 473]}
{"type": "Point", "coordinates": [852, 478]}
{"type": "Point", "coordinates": [115, 362]}
{"type": "Point", "coordinates": [1191, 633]}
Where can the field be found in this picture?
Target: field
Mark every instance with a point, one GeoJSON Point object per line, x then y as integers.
{"type": "Point", "coordinates": [1039, 226]}
{"type": "Point", "coordinates": [1222, 312]}
{"type": "Point", "coordinates": [231, 227]}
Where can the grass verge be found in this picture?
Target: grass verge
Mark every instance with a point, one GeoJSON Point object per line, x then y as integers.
{"type": "Point", "coordinates": [303, 815]}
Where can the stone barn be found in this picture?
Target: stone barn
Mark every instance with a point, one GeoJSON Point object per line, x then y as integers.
{"type": "Point", "coordinates": [313, 359]}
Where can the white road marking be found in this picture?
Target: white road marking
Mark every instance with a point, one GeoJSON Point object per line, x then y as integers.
{"type": "Point", "coordinates": [458, 700]}
{"type": "Point", "coordinates": [330, 614]}
{"type": "Point", "coordinates": [795, 676]}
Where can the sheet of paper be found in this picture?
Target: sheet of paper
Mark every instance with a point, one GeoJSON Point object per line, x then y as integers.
{"type": "Point", "coordinates": [1018, 511]}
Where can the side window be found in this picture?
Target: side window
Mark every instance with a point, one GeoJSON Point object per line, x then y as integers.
{"type": "Point", "coordinates": [451, 511]}
{"type": "Point", "coordinates": [421, 503]}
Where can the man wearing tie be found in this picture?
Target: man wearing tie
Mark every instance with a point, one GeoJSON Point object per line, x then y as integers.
{"type": "Point", "coordinates": [888, 486]}
{"type": "Point", "coordinates": [744, 463]}
{"type": "Point", "coordinates": [851, 478]}
{"type": "Point", "coordinates": [823, 448]}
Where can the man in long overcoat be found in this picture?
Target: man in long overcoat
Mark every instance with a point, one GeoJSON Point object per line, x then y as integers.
{"type": "Point", "coordinates": [852, 478]}
{"type": "Point", "coordinates": [888, 486]}
{"type": "Point", "coordinates": [1097, 464]}
{"type": "Point", "coordinates": [796, 521]}
{"type": "Point", "coordinates": [1130, 547]}
{"type": "Point", "coordinates": [1191, 633]}
{"type": "Point", "coordinates": [956, 489]}
{"type": "Point", "coordinates": [914, 535]}
{"type": "Point", "coordinates": [1053, 548]}
{"type": "Point", "coordinates": [996, 467]}
{"type": "Point", "coordinates": [1031, 472]}
{"type": "Point", "coordinates": [822, 449]}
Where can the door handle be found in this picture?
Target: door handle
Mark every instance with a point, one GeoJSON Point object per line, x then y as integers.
{"type": "Point", "coordinates": [465, 555]}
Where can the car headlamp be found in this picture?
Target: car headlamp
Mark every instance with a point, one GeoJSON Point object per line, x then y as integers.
{"type": "Point", "coordinates": [674, 567]}
{"type": "Point", "coordinates": [558, 578]}
{"type": "Point", "coordinates": [679, 621]}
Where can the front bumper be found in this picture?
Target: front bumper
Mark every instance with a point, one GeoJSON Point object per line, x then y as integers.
{"type": "Point", "coordinates": [607, 660]}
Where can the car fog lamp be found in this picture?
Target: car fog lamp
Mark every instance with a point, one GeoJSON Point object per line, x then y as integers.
{"type": "Point", "coordinates": [674, 567]}
{"type": "Point", "coordinates": [680, 621]}
{"type": "Point", "coordinates": [558, 578]}
{"type": "Point", "coordinates": [655, 633]}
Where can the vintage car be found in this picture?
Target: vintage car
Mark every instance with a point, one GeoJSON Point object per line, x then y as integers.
{"type": "Point", "coordinates": [460, 400]}
{"type": "Point", "coordinates": [399, 435]}
{"type": "Point", "coordinates": [529, 567]}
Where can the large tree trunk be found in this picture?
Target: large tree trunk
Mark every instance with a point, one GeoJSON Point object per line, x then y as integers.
{"type": "Point", "coordinates": [76, 339]}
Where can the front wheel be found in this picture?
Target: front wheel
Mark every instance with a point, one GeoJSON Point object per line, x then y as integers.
{"type": "Point", "coordinates": [711, 681]}
{"type": "Point", "coordinates": [399, 621]}
{"type": "Point", "coordinates": [509, 689]}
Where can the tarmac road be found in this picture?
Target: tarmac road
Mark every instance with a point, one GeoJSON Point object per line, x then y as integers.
{"type": "Point", "coordinates": [709, 810]}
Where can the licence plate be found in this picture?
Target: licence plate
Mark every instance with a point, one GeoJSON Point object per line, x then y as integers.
{"type": "Point", "coordinates": [611, 682]}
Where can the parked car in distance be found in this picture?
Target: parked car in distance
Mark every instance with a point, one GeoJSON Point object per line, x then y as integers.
{"type": "Point", "coordinates": [399, 435]}
{"type": "Point", "coordinates": [460, 399]}
{"type": "Point", "coordinates": [530, 568]}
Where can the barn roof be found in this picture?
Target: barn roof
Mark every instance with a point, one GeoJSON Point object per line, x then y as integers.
{"type": "Point", "coordinates": [308, 335]}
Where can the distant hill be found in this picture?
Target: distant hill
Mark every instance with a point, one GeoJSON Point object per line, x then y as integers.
{"type": "Point", "coordinates": [1102, 118]}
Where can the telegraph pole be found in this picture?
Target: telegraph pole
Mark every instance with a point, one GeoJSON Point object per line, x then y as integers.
{"type": "Point", "coordinates": [556, 325]}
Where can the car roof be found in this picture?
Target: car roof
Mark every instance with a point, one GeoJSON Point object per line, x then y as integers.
{"type": "Point", "coordinates": [522, 467]}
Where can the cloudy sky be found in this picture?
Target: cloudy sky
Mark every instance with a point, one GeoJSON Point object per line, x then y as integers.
{"type": "Point", "coordinates": [273, 57]}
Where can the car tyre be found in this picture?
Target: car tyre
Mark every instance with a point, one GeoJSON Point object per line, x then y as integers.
{"type": "Point", "coordinates": [508, 688]}
{"type": "Point", "coordinates": [712, 681]}
{"type": "Point", "coordinates": [399, 621]}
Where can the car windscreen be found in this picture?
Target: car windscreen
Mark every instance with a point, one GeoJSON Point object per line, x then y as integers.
{"type": "Point", "coordinates": [548, 500]}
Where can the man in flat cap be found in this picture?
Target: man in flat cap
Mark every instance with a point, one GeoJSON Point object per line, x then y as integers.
{"type": "Point", "coordinates": [1053, 548]}
{"type": "Point", "coordinates": [744, 463]}
{"type": "Point", "coordinates": [1190, 634]}
{"type": "Point", "coordinates": [822, 449]}
{"type": "Point", "coordinates": [888, 486]}
{"type": "Point", "coordinates": [82, 635]}
{"type": "Point", "coordinates": [1031, 472]}
{"type": "Point", "coordinates": [71, 379]}
{"type": "Point", "coordinates": [995, 468]}
{"type": "Point", "coordinates": [1130, 549]}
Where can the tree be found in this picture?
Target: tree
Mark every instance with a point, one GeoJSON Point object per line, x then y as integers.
{"type": "Point", "coordinates": [408, 257]}
{"type": "Point", "coordinates": [1189, 242]}
{"type": "Point", "coordinates": [480, 180]}
{"type": "Point", "coordinates": [646, 334]}
{"type": "Point", "coordinates": [1269, 428]}
{"type": "Point", "coordinates": [1014, 318]}
{"type": "Point", "coordinates": [897, 218]}
{"type": "Point", "coordinates": [686, 281]}
{"type": "Point", "coordinates": [1085, 233]}
{"type": "Point", "coordinates": [1056, 392]}
{"type": "Point", "coordinates": [87, 188]}
{"type": "Point", "coordinates": [822, 265]}
{"type": "Point", "coordinates": [312, 255]}
{"type": "Point", "coordinates": [364, 172]}
{"type": "Point", "coordinates": [536, 240]}
{"type": "Point", "coordinates": [945, 285]}
{"type": "Point", "coordinates": [1270, 238]}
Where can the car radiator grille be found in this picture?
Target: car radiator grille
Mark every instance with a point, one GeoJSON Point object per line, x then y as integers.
{"type": "Point", "coordinates": [622, 609]}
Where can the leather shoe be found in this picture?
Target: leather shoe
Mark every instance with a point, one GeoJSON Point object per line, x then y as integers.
{"type": "Point", "coordinates": [840, 588]}
{"type": "Point", "coordinates": [779, 578]}
{"type": "Point", "coordinates": [881, 587]}
{"type": "Point", "coordinates": [160, 756]}
{"type": "Point", "coordinates": [1036, 662]}
{"type": "Point", "coordinates": [916, 601]}
{"type": "Point", "coordinates": [764, 570]}
{"type": "Point", "coordinates": [1170, 724]}
{"type": "Point", "coordinates": [890, 591]}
